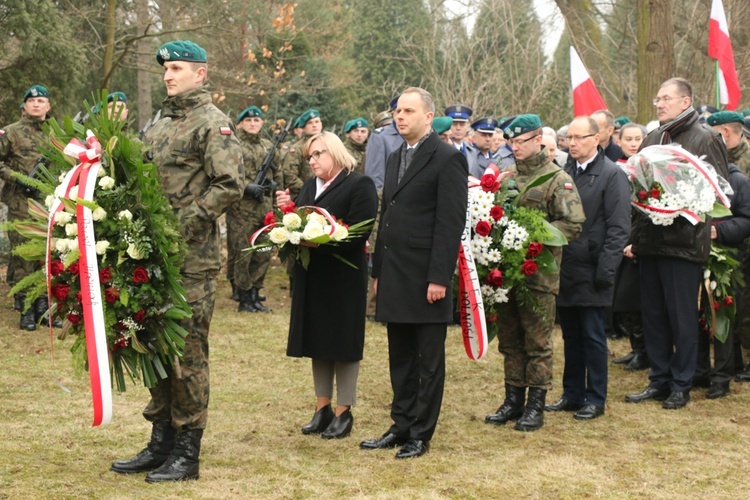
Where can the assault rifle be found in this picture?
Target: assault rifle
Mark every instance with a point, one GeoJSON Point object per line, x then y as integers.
{"type": "Point", "coordinates": [262, 177]}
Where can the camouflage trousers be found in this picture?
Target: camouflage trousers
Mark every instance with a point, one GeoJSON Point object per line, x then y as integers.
{"type": "Point", "coordinates": [182, 398]}
{"type": "Point", "coordinates": [371, 295]}
{"type": "Point", "coordinates": [246, 270]}
{"type": "Point", "coordinates": [525, 341]}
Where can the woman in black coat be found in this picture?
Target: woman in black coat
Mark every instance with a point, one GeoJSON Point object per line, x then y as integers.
{"type": "Point", "coordinates": [329, 297]}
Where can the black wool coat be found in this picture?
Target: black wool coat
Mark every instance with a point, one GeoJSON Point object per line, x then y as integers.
{"type": "Point", "coordinates": [329, 298]}
{"type": "Point", "coordinates": [422, 219]}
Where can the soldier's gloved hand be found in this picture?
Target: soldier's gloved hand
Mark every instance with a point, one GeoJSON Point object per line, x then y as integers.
{"type": "Point", "coordinates": [270, 187]}
{"type": "Point", "coordinates": [254, 191]}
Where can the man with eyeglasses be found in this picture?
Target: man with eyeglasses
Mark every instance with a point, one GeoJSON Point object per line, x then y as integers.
{"type": "Point", "coordinates": [525, 333]}
{"type": "Point", "coordinates": [672, 257]}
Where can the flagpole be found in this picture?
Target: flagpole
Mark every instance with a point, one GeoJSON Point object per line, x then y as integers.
{"type": "Point", "coordinates": [718, 86]}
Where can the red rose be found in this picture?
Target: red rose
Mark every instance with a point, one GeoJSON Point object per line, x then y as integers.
{"type": "Point", "coordinates": [270, 218]}
{"type": "Point", "coordinates": [60, 291]}
{"type": "Point", "coordinates": [495, 278]}
{"type": "Point", "coordinates": [56, 267]}
{"type": "Point", "coordinates": [105, 275]}
{"type": "Point", "coordinates": [120, 326]}
{"type": "Point", "coordinates": [702, 321]}
{"type": "Point", "coordinates": [74, 268]}
{"type": "Point", "coordinates": [79, 297]}
{"type": "Point", "coordinates": [288, 208]}
{"type": "Point", "coordinates": [717, 305]}
{"type": "Point", "coordinates": [74, 319]}
{"type": "Point", "coordinates": [642, 194]}
{"type": "Point", "coordinates": [111, 294]}
{"type": "Point", "coordinates": [121, 343]}
{"type": "Point", "coordinates": [655, 193]}
{"type": "Point", "coordinates": [483, 228]}
{"type": "Point", "coordinates": [535, 248]}
{"type": "Point", "coordinates": [492, 318]}
{"type": "Point", "coordinates": [728, 300]}
{"type": "Point", "coordinates": [529, 267]}
{"type": "Point", "coordinates": [140, 316]}
{"type": "Point", "coordinates": [489, 183]}
{"type": "Point", "coordinates": [140, 275]}
{"type": "Point", "coordinates": [496, 212]}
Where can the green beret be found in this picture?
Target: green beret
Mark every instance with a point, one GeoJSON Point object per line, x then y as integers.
{"type": "Point", "coordinates": [522, 124]}
{"type": "Point", "coordinates": [724, 117]}
{"type": "Point", "coordinates": [181, 50]}
{"type": "Point", "coordinates": [36, 91]}
{"type": "Point", "coordinates": [117, 96]}
{"type": "Point", "coordinates": [306, 117]}
{"type": "Point", "coordinates": [746, 112]}
{"type": "Point", "coordinates": [250, 112]}
{"type": "Point", "coordinates": [442, 124]}
{"type": "Point", "coordinates": [622, 120]}
{"type": "Point", "coordinates": [356, 123]}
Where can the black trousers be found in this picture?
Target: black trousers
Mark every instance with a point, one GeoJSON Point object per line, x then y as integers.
{"type": "Point", "coordinates": [669, 308]}
{"type": "Point", "coordinates": [416, 353]}
{"type": "Point", "coordinates": [586, 356]}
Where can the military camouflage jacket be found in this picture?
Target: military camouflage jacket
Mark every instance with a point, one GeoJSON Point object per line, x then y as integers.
{"type": "Point", "coordinates": [358, 152]}
{"type": "Point", "coordinates": [200, 163]}
{"type": "Point", "coordinates": [558, 198]}
{"type": "Point", "coordinates": [740, 156]}
{"type": "Point", "coordinates": [19, 152]}
{"type": "Point", "coordinates": [254, 151]}
{"type": "Point", "coordinates": [294, 167]}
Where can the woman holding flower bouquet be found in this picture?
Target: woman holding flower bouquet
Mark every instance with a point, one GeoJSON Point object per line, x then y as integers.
{"type": "Point", "coordinates": [328, 299]}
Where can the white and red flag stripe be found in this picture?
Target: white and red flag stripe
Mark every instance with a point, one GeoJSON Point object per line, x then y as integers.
{"type": "Point", "coordinates": [720, 48]}
{"type": "Point", "coordinates": [586, 98]}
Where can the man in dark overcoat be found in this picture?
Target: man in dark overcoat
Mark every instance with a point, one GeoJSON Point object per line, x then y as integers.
{"type": "Point", "coordinates": [422, 218]}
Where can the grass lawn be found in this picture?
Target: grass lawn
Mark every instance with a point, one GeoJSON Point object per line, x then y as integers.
{"type": "Point", "coordinates": [260, 398]}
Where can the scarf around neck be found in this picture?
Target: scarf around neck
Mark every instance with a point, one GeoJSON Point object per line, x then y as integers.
{"type": "Point", "coordinates": [672, 128]}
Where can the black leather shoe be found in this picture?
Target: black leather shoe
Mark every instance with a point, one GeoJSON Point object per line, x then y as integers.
{"type": "Point", "coordinates": [320, 421]}
{"type": "Point", "coordinates": [589, 412]}
{"type": "Point", "coordinates": [676, 400]}
{"type": "Point", "coordinates": [413, 448]}
{"type": "Point", "coordinates": [153, 455]}
{"type": "Point", "coordinates": [387, 440]}
{"type": "Point", "coordinates": [743, 376]}
{"type": "Point", "coordinates": [639, 362]}
{"type": "Point", "coordinates": [340, 426]}
{"type": "Point", "coordinates": [563, 405]}
{"type": "Point", "coordinates": [646, 394]}
{"type": "Point", "coordinates": [625, 359]}
{"type": "Point", "coordinates": [717, 390]}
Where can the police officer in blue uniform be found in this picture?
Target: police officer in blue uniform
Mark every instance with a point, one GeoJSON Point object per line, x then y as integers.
{"type": "Point", "coordinates": [459, 131]}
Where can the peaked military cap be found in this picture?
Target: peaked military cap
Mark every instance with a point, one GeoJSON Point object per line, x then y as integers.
{"type": "Point", "coordinates": [705, 111]}
{"type": "Point", "coordinates": [306, 117]}
{"type": "Point", "coordinates": [394, 101]}
{"type": "Point", "coordinates": [356, 123]}
{"type": "Point", "coordinates": [381, 118]}
{"type": "Point", "coordinates": [459, 112]}
{"type": "Point", "coordinates": [620, 121]}
{"type": "Point", "coordinates": [181, 50]}
{"type": "Point", "coordinates": [724, 117]}
{"type": "Point", "coordinates": [117, 96]}
{"type": "Point", "coordinates": [485, 125]}
{"type": "Point", "coordinates": [36, 91]}
{"type": "Point", "coordinates": [250, 112]}
{"type": "Point", "coordinates": [442, 124]}
{"type": "Point", "coordinates": [522, 124]}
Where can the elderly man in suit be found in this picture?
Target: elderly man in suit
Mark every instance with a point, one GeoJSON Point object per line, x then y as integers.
{"type": "Point", "coordinates": [422, 218]}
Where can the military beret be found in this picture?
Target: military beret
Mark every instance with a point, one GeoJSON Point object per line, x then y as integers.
{"type": "Point", "coordinates": [486, 125]}
{"type": "Point", "coordinates": [381, 118]}
{"type": "Point", "coordinates": [394, 101]}
{"type": "Point", "coordinates": [459, 112]}
{"type": "Point", "coordinates": [356, 123]}
{"type": "Point", "coordinates": [36, 91]}
{"type": "Point", "coordinates": [306, 117]}
{"type": "Point", "coordinates": [522, 124]}
{"type": "Point", "coordinates": [620, 121]}
{"type": "Point", "coordinates": [250, 112]}
{"type": "Point", "coordinates": [746, 127]}
{"type": "Point", "coordinates": [181, 50]}
{"type": "Point", "coordinates": [117, 96]}
{"type": "Point", "coordinates": [724, 117]}
{"type": "Point", "coordinates": [746, 112]}
{"type": "Point", "coordinates": [442, 124]}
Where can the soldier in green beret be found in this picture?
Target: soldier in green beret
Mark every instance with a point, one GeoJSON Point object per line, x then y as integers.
{"type": "Point", "coordinates": [442, 126]}
{"type": "Point", "coordinates": [247, 272]}
{"type": "Point", "coordinates": [200, 164]}
{"type": "Point", "coordinates": [294, 168]}
{"type": "Point", "coordinates": [19, 152]}
{"type": "Point", "coordinates": [525, 334]}
{"type": "Point", "coordinates": [729, 124]}
{"type": "Point", "coordinates": [356, 141]}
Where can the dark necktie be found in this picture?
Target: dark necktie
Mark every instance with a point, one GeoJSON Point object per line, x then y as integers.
{"type": "Point", "coordinates": [405, 164]}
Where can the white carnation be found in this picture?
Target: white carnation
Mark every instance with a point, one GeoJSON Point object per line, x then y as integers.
{"type": "Point", "coordinates": [99, 214]}
{"type": "Point", "coordinates": [292, 221]}
{"type": "Point", "coordinates": [279, 235]}
{"type": "Point", "coordinates": [106, 182]}
{"type": "Point", "coordinates": [101, 247]}
{"type": "Point", "coordinates": [295, 237]}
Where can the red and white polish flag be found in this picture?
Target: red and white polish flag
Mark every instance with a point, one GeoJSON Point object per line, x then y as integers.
{"type": "Point", "coordinates": [720, 48]}
{"type": "Point", "coordinates": [586, 98]}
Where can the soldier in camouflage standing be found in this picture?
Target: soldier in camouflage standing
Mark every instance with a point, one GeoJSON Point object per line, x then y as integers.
{"type": "Point", "coordinates": [293, 166]}
{"type": "Point", "coordinates": [525, 333]}
{"type": "Point", "coordinates": [200, 164]}
{"type": "Point", "coordinates": [356, 141]}
{"type": "Point", "coordinates": [248, 270]}
{"type": "Point", "coordinates": [19, 152]}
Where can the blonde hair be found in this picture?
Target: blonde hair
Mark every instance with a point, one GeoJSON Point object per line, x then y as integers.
{"type": "Point", "coordinates": [336, 149]}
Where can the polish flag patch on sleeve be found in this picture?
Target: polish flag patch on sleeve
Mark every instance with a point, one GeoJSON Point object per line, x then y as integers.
{"type": "Point", "coordinates": [568, 185]}
{"type": "Point", "coordinates": [225, 130]}
{"type": "Point", "coordinates": [2, 132]}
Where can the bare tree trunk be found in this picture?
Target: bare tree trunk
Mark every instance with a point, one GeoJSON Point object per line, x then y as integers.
{"type": "Point", "coordinates": [144, 59]}
{"type": "Point", "coordinates": [109, 48]}
{"type": "Point", "coordinates": [655, 53]}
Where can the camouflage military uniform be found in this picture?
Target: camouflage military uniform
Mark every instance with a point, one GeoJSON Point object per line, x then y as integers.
{"type": "Point", "coordinates": [200, 163]}
{"type": "Point", "coordinates": [246, 216]}
{"type": "Point", "coordinates": [294, 167]}
{"type": "Point", "coordinates": [358, 152]}
{"type": "Point", "coordinates": [740, 156]}
{"type": "Point", "coordinates": [524, 337]}
{"type": "Point", "coordinates": [19, 152]}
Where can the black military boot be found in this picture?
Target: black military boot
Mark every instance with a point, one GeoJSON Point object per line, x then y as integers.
{"type": "Point", "coordinates": [261, 297]}
{"type": "Point", "coordinates": [183, 462]}
{"type": "Point", "coordinates": [154, 454]}
{"type": "Point", "coordinates": [18, 302]}
{"type": "Point", "coordinates": [533, 415]}
{"type": "Point", "coordinates": [28, 320]}
{"type": "Point", "coordinates": [41, 306]}
{"type": "Point", "coordinates": [235, 292]}
{"type": "Point", "coordinates": [246, 302]}
{"type": "Point", "coordinates": [256, 301]}
{"type": "Point", "coordinates": [512, 407]}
